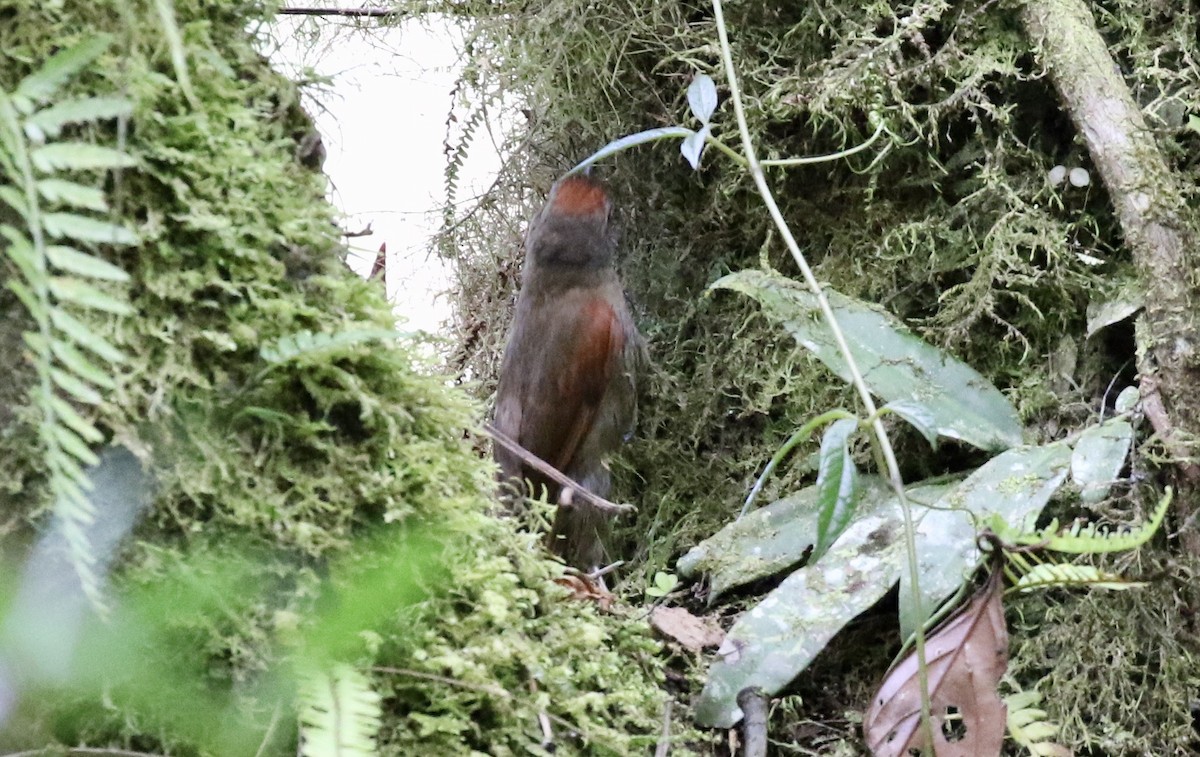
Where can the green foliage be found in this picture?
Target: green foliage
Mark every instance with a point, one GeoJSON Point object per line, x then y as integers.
{"type": "Point", "coordinates": [54, 280]}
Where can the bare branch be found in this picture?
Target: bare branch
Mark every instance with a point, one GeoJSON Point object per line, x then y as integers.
{"type": "Point", "coordinates": [548, 470]}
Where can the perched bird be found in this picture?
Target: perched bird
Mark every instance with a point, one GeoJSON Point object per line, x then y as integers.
{"type": "Point", "coordinates": [567, 391]}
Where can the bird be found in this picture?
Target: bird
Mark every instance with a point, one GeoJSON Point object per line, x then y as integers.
{"type": "Point", "coordinates": [567, 391]}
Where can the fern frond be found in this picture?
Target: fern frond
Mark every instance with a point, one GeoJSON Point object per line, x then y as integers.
{"type": "Point", "coordinates": [53, 279]}
{"type": "Point", "coordinates": [339, 713]}
{"type": "Point", "coordinates": [1054, 575]}
{"type": "Point", "coordinates": [306, 344]}
{"type": "Point", "coordinates": [1028, 726]}
{"type": "Point", "coordinates": [1081, 539]}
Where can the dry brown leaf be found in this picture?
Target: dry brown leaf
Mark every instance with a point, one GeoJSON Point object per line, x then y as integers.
{"type": "Point", "coordinates": [585, 589]}
{"type": "Point", "coordinates": [687, 629]}
{"type": "Point", "coordinates": [966, 657]}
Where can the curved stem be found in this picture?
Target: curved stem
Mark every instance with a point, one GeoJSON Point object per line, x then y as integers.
{"type": "Point", "coordinates": [881, 437]}
{"type": "Point", "coordinates": [789, 162]}
{"type": "Point", "coordinates": [805, 431]}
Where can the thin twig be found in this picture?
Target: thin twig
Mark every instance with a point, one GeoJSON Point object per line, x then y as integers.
{"type": "Point", "coordinates": [345, 12]}
{"type": "Point", "coordinates": [495, 691]}
{"type": "Point", "coordinates": [602, 572]}
{"type": "Point", "coordinates": [664, 741]}
{"type": "Point", "coordinates": [552, 473]}
{"type": "Point", "coordinates": [885, 446]}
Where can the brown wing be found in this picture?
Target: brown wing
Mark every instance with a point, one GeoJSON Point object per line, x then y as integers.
{"type": "Point", "coordinates": [554, 425]}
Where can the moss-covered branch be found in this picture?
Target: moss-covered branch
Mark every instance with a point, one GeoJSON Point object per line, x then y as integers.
{"type": "Point", "coordinates": [1149, 206]}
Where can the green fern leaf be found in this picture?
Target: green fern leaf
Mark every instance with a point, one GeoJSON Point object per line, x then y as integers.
{"type": "Point", "coordinates": [73, 445]}
{"type": "Point", "coordinates": [1027, 725]}
{"type": "Point", "coordinates": [81, 335]}
{"type": "Point", "coordinates": [42, 84]}
{"type": "Point", "coordinates": [76, 292]}
{"type": "Point", "coordinates": [20, 251]}
{"type": "Point", "coordinates": [82, 367]}
{"type": "Point", "coordinates": [14, 199]}
{"type": "Point", "coordinates": [339, 715]}
{"type": "Point", "coordinates": [32, 303]}
{"type": "Point", "coordinates": [50, 121]}
{"type": "Point", "coordinates": [66, 192]}
{"type": "Point", "coordinates": [78, 156]}
{"type": "Point", "coordinates": [74, 261]}
{"type": "Point", "coordinates": [307, 344]}
{"type": "Point", "coordinates": [1048, 575]}
{"type": "Point", "coordinates": [84, 229]}
{"type": "Point", "coordinates": [73, 386]}
{"type": "Point", "coordinates": [74, 420]}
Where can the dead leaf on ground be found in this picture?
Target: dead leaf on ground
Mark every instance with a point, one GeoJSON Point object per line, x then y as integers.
{"type": "Point", "coordinates": [966, 657]}
{"type": "Point", "coordinates": [692, 632]}
{"type": "Point", "coordinates": [585, 589]}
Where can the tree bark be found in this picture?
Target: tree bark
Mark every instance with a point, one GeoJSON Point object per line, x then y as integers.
{"type": "Point", "coordinates": [1153, 218]}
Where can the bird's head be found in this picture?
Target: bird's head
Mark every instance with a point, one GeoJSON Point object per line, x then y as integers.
{"type": "Point", "coordinates": [573, 228]}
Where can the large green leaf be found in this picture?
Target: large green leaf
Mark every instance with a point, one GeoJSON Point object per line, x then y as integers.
{"type": "Point", "coordinates": [778, 638]}
{"type": "Point", "coordinates": [770, 539]}
{"type": "Point", "coordinates": [1099, 456]}
{"type": "Point", "coordinates": [896, 364]}
{"type": "Point", "coordinates": [1015, 486]}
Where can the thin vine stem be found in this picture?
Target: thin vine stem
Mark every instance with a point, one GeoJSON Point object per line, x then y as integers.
{"type": "Point", "coordinates": [756, 172]}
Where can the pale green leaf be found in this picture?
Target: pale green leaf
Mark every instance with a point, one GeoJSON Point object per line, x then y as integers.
{"type": "Point", "coordinates": [78, 156]}
{"type": "Point", "coordinates": [74, 420]}
{"type": "Point", "coordinates": [51, 120]}
{"type": "Point", "coordinates": [339, 714]}
{"type": "Point", "coordinates": [86, 229]}
{"type": "Point", "coordinates": [75, 387]}
{"type": "Point", "coordinates": [73, 194]}
{"type": "Point", "coordinates": [780, 636]}
{"type": "Point", "coordinates": [895, 364]}
{"type": "Point", "coordinates": [74, 261]}
{"type": "Point", "coordinates": [75, 446]}
{"type": "Point", "coordinates": [84, 336]}
{"type": "Point", "coordinates": [43, 83]}
{"type": "Point", "coordinates": [32, 302]}
{"type": "Point", "coordinates": [1014, 486]}
{"type": "Point", "coordinates": [82, 367]}
{"type": "Point", "coordinates": [20, 251]}
{"type": "Point", "coordinates": [1098, 458]}
{"type": "Point", "coordinates": [1127, 399]}
{"type": "Point", "coordinates": [15, 199]}
{"type": "Point", "coordinates": [78, 293]}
